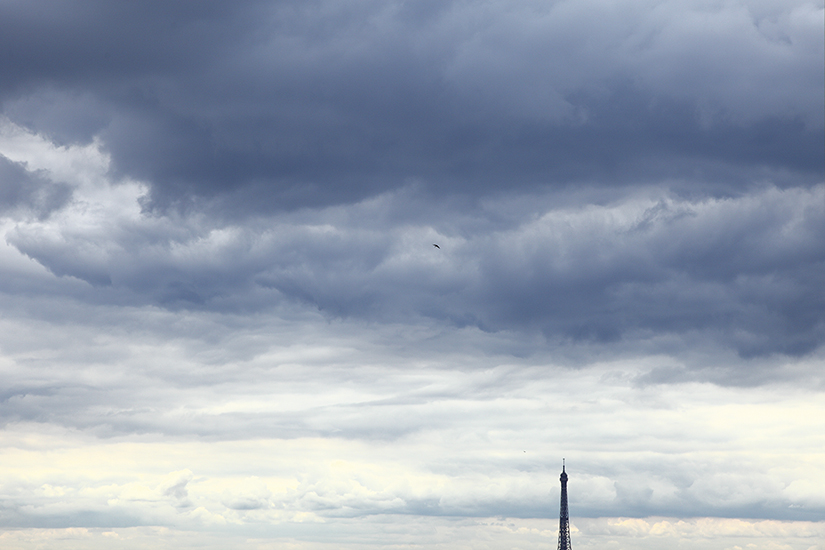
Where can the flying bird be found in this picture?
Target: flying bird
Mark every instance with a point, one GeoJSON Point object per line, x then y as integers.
{"type": "Point", "coordinates": [435, 245]}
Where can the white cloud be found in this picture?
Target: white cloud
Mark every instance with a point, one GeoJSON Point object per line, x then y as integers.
{"type": "Point", "coordinates": [449, 533]}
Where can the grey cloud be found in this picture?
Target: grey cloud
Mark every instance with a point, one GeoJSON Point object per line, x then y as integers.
{"type": "Point", "coordinates": [272, 106]}
{"type": "Point", "coordinates": [725, 268]}
{"type": "Point", "coordinates": [741, 272]}
{"type": "Point", "coordinates": [28, 192]}
{"type": "Point", "coordinates": [174, 487]}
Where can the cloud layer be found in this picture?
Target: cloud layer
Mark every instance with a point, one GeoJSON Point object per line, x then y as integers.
{"type": "Point", "coordinates": [224, 322]}
{"type": "Point", "coordinates": [269, 106]}
{"type": "Point", "coordinates": [738, 272]}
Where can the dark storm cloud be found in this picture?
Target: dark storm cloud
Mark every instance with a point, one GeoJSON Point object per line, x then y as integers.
{"type": "Point", "coordinates": [743, 273]}
{"type": "Point", "coordinates": [676, 268]}
{"type": "Point", "coordinates": [674, 155]}
{"type": "Point", "coordinates": [276, 105]}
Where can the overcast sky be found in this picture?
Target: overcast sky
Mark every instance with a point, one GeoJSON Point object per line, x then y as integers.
{"type": "Point", "coordinates": [223, 322]}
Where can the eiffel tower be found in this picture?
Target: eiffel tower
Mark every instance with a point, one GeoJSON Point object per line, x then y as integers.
{"type": "Point", "coordinates": [564, 516]}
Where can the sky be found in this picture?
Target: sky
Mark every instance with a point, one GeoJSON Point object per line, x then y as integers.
{"type": "Point", "coordinates": [223, 322]}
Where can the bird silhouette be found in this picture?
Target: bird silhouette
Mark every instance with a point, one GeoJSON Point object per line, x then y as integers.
{"type": "Point", "coordinates": [435, 245]}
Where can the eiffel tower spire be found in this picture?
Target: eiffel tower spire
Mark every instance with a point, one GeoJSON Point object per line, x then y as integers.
{"type": "Point", "coordinates": [564, 516]}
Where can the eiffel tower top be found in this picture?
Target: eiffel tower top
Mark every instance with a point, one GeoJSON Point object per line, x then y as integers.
{"type": "Point", "coordinates": [564, 514]}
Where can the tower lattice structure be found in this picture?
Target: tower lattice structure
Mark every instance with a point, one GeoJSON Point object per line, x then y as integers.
{"type": "Point", "coordinates": [564, 516]}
